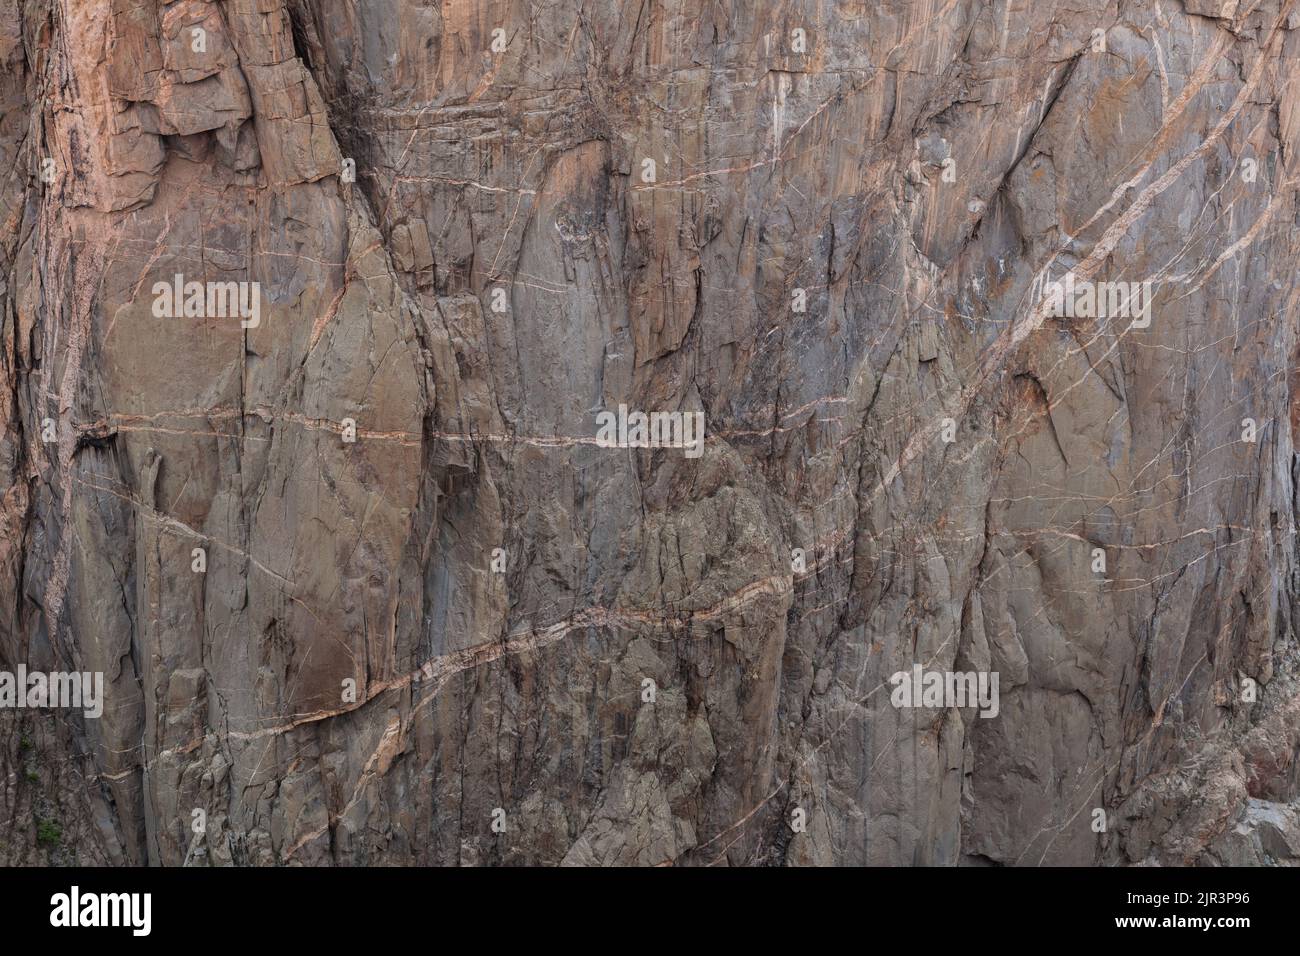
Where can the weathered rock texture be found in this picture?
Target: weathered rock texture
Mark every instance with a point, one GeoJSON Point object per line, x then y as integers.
{"type": "Point", "coordinates": [918, 167]}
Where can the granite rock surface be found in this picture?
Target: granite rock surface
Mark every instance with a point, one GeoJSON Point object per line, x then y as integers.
{"type": "Point", "coordinates": [366, 586]}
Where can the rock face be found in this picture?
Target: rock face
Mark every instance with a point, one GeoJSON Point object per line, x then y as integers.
{"type": "Point", "coordinates": [367, 584]}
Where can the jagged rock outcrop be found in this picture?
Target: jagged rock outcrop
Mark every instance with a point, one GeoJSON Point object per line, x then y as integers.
{"type": "Point", "coordinates": [366, 586]}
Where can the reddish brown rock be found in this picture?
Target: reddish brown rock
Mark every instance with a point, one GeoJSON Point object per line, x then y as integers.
{"type": "Point", "coordinates": [365, 585]}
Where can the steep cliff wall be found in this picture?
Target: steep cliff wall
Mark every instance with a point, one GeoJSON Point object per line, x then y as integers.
{"type": "Point", "coordinates": [365, 584]}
